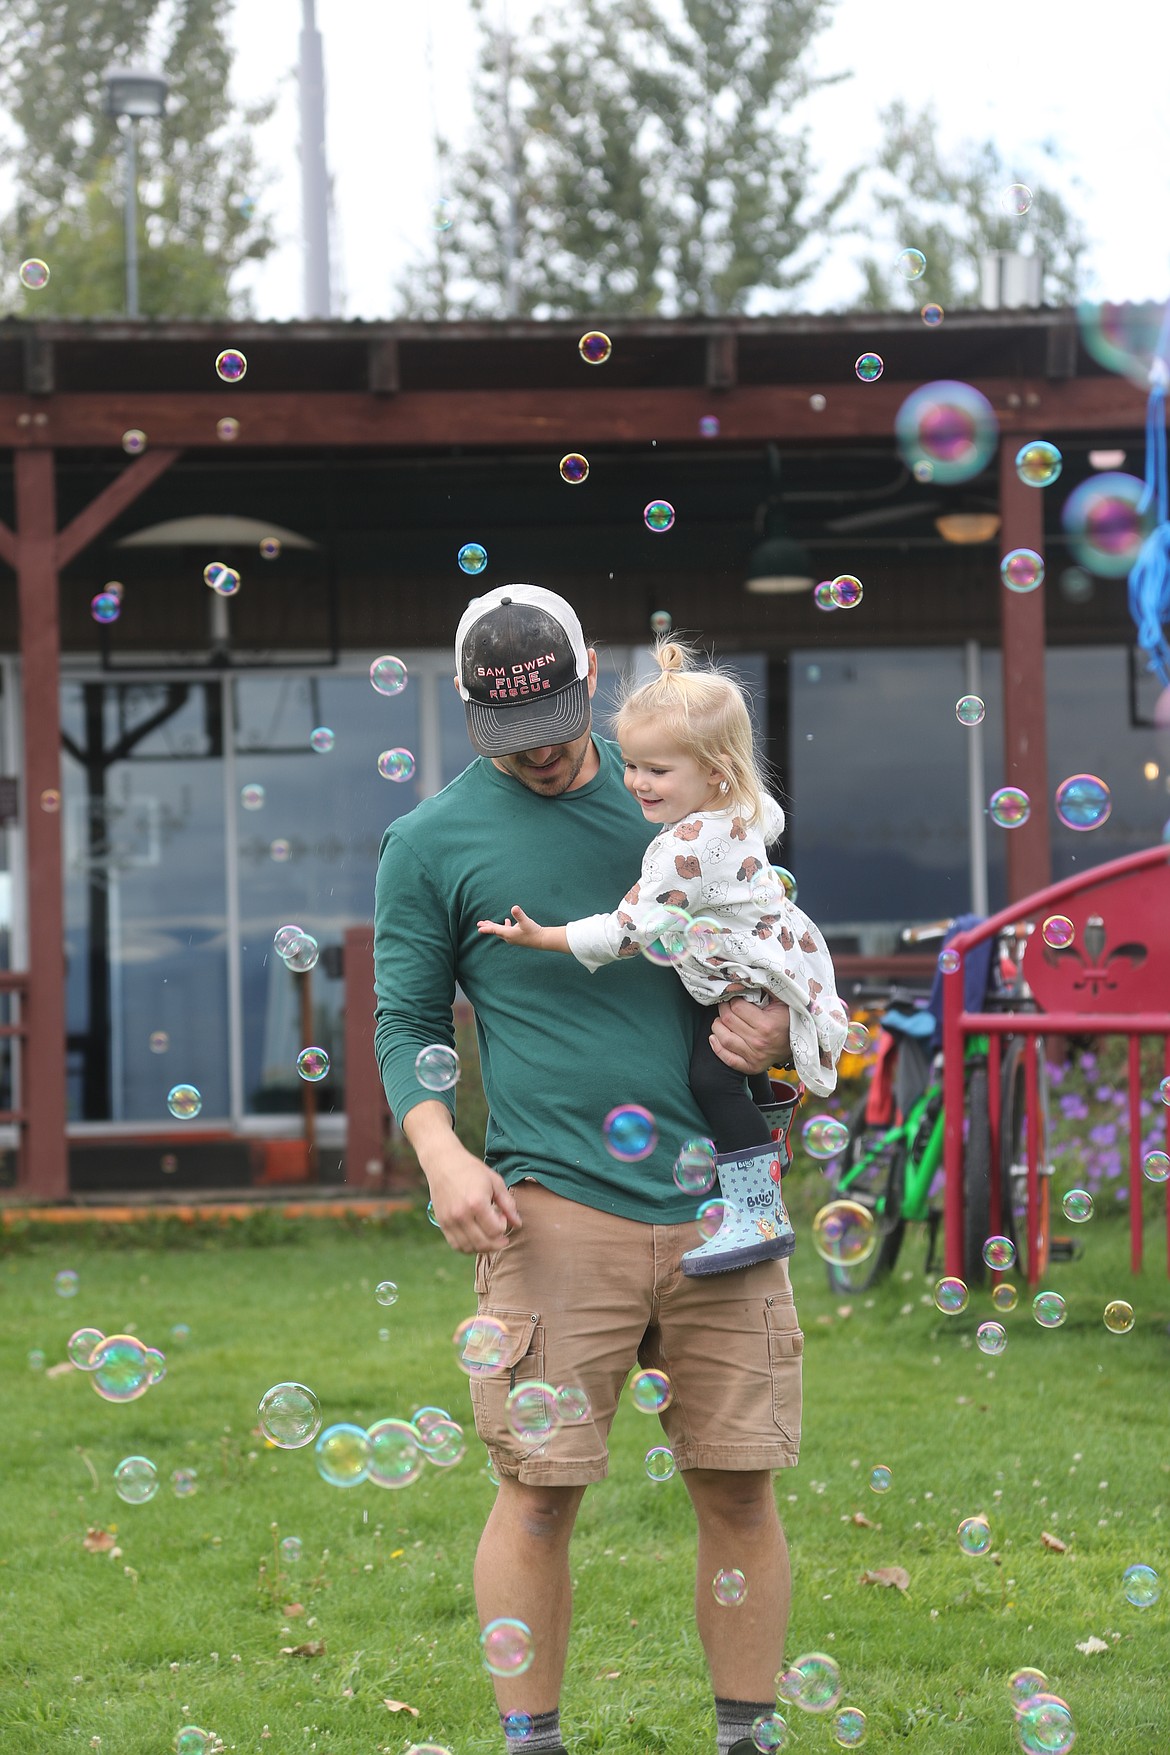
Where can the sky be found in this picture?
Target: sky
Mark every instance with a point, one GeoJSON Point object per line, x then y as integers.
{"type": "Point", "coordinates": [1083, 76]}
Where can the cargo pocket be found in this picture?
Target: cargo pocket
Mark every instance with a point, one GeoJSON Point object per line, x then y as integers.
{"type": "Point", "coordinates": [785, 1356]}
{"type": "Point", "coordinates": [520, 1357]}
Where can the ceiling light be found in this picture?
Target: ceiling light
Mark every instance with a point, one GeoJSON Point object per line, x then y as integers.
{"type": "Point", "coordinates": [967, 526]}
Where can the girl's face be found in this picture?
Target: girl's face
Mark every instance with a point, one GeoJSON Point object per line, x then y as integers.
{"type": "Point", "coordinates": [668, 784]}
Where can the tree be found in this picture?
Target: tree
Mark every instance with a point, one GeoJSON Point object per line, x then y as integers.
{"type": "Point", "coordinates": [955, 211]}
{"type": "Point", "coordinates": [198, 176]}
{"type": "Point", "coordinates": [630, 162]}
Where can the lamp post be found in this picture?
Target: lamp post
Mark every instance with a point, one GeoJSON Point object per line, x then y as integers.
{"type": "Point", "coordinates": [133, 92]}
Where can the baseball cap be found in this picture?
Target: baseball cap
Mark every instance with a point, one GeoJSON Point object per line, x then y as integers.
{"type": "Point", "coordinates": [522, 664]}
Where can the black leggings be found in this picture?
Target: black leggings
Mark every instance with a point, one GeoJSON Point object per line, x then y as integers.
{"type": "Point", "coordinates": [728, 1099]}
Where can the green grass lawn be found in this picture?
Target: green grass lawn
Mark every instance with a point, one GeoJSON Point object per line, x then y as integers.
{"type": "Point", "coordinates": [1066, 1433]}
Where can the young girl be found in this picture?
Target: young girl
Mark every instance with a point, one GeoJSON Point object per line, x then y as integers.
{"type": "Point", "coordinates": [686, 740]}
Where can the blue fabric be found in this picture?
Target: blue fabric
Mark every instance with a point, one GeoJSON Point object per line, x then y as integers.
{"type": "Point", "coordinates": [1149, 579]}
{"type": "Point", "coordinates": [920, 1024]}
{"type": "Point", "coordinates": [976, 973]}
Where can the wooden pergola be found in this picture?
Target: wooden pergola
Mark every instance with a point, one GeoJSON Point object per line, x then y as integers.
{"type": "Point", "coordinates": [447, 396]}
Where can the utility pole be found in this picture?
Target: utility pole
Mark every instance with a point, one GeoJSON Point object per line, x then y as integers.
{"type": "Point", "coordinates": [314, 175]}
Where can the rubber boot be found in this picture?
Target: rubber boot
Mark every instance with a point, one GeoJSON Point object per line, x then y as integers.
{"type": "Point", "coordinates": [779, 1115]}
{"type": "Point", "coordinates": [755, 1225]}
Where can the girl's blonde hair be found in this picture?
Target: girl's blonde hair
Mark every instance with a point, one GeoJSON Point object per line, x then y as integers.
{"type": "Point", "coordinates": [702, 711]}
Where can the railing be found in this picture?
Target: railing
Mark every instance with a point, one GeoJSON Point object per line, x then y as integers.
{"type": "Point", "coordinates": [1104, 983]}
{"type": "Point", "coordinates": [367, 1114]}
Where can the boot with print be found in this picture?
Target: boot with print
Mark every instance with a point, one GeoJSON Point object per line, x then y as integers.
{"type": "Point", "coordinates": [755, 1225]}
{"type": "Point", "coordinates": [779, 1114]}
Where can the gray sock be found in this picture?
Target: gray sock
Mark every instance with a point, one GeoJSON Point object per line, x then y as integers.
{"type": "Point", "coordinates": [734, 1720]}
{"type": "Point", "coordinates": [544, 1737]}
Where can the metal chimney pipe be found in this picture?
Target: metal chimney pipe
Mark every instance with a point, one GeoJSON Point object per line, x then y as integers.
{"type": "Point", "coordinates": [314, 175]}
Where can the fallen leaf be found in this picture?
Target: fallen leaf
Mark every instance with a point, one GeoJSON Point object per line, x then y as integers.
{"type": "Point", "coordinates": [892, 1575]}
{"type": "Point", "coordinates": [401, 1706]}
{"type": "Point", "coordinates": [863, 1522]}
{"type": "Point", "coordinates": [1053, 1542]}
{"type": "Point", "coordinates": [844, 1311]}
{"type": "Point", "coordinates": [825, 1320]}
{"type": "Point", "coordinates": [292, 1610]}
{"type": "Point", "coordinates": [1091, 1644]}
{"type": "Point", "coordinates": [311, 1648]}
{"type": "Point", "coordinates": [97, 1541]}
{"type": "Point", "coordinates": [608, 1675]}
{"type": "Point", "coordinates": [64, 1369]}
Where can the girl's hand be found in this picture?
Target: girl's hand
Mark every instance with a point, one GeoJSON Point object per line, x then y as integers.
{"type": "Point", "coordinates": [520, 930]}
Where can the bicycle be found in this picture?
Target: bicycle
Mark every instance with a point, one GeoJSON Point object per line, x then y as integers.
{"type": "Point", "coordinates": [891, 1169]}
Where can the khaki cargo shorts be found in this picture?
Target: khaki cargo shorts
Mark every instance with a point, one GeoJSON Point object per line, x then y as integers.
{"type": "Point", "coordinates": [587, 1297]}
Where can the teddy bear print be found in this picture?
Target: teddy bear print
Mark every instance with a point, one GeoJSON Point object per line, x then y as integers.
{"type": "Point", "coordinates": [687, 831]}
{"type": "Point", "coordinates": [688, 866]}
{"type": "Point", "coordinates": [631, 896]}
{"type": "Point", "coordinates": [738, 829]}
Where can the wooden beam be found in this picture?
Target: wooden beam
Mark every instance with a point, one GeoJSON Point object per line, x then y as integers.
{"type": "Point", "coordinates": [7, 545]}
{"type": "Point", "coordinates": [44, 1165]}
{"type": "Point", "coordinates": [1025, 708]}
{"type": "Point", "coordinates": [113, 500]}
{"type": "Point", "coordinates": [590, 414]}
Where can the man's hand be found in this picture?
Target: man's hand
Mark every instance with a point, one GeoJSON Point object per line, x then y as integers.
{"type": "Point", "coordinates": [751, 1038]}
{"type": "Point", "coordinates": [472, 1203]}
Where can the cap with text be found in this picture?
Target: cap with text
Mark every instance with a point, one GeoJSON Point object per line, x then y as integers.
{"type": "Point", "coordinates": [522, 666]}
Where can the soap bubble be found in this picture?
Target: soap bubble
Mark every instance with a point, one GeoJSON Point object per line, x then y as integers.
{"type": "Point", "coordinates": [312, 1064]}
{"type": "Point", "coordinates": [193, 1741]}
{"type": "Point", "coordinates": [396, 764]}
{"type": "Point", "coordinates": [1122, 337]}
{"type": "Point", "coordinates": [181, 1333]}
{"type": "Point", "coordinates": [856, 1039]}
{"type": "Point", "coordinates": [932, 315]}
{"type": "Point", "coordinates": [823, 596]}
{"type": "Point", "coordinates": [270, 547]}
{"type": "Point", "coordinates": [729, 1587]}
{"type": "Point", "coordinates": [574, 468]}
{"type": "Point", "coordinates": [849, 1727]}
{"type": "Point", "coordinates": [184, 1102]}
{"type": "Point", "coordinates": [301, 953]}
{"type": "Point", "coordinates": [786, 880]}
{"type": "Point", "coordinates": [911, 264]}
{"type": "Point", "coordinates": [322, 739]}
{"type": "Point", "coordinates": [594, 347]}
{"type": "Point", "coordinates": [970, 710]}
{"type": "Point", "coordinates": [507, 1647]}
{"type": "Point", "coordinates": [630, 1133]}
{"type": "Point", "coordinates": [1045, 1726]}
{"type": "Point", "coordinates": [708, 426]}
{"type": "Point", "coordinates": [396, 1457]}
{"type": "Point", "coordinates": [880, 1478]}
{"type": "Point", "coordinates": [221, 578]}
{"type": "Point", "coordinates": [1022, 570]}
{"type": "Point", "coordinates": [769, 1731]}
{"type": "Point", "coordinates": [658, 515]}
{"type": "Point", "coordinates": [823, 1137]}
{"type": "Point", "coordinates": [1104, 525]}
{"type": "Point", "coordinates": [518, 1726]}
{"type": "Point", "coordinates": [252, 796]}
{"type": "Point", "coordinates": [1049, 1309]}
{"type": "Point", "coordinates": [36, 1359]}
{"type": "Point", "coordinates": [482, 1345]}
{"type": "Point", "coordinates": [710, 1216]}
{"type": "Point", "coordinates": [1058, 931]}
{"type": "Point", "coordinates": [1077, 1205]}
{"type": "Point", "coordinates": [34, 274]}
{"type": "Point", "coordinates": [388, 675]}
{"type": "Point", "coordinates": [817, 402]}
{"type": "Point", "coordinates": [81, 1345]}
{"type": "Point", "coordinates": [694, 1168]}
{"type": "Point", "coordinates": [442, 216]}
{"type": "Point", "coordinates": [156, 1366]}
{"type": "Point", "coordinates": [999, 1253]}
{"type": "Point", "coordinates": [134, 441]}
{"type": "Point", "coordinates": [949, 962]}
{"type": "Point", "coordinates": [227, 429]}
{"type": "Point", "coordinates": [136, 1480]}
{"type": "Point", "coordinates": [1009, 807]}
{"type": "Point", "coordinates": [1004, 1296]}
{"type": "Point", "coordinates": [1038, 463]}
{"type": "Point", "coordinates": [230, 365]}
{"type": "Point", "coordinates": [1119, 1316]}
{"type": "Point", "coordinates": [974, 1535]}
{"type": "Point", "coordinates": [846, 591]}
{"type": "Point", "coordinates": [1141, 1586]}
{"type": "Point", "coordinates": [66, 1282]}
{"type": "Point", "coordinates": [1016, 199]}
{"type": "Point", "coordinates": [843, 1233]}
{"type": "Point", "coordinates": [291, 1550]}
{"type": "Point", "coordinates": [532, 1412]}
{"type": "Point", "coordinates": [1083, 802]}
{"type": "Point", "coordinates": [661, 621]}
{"type": "Point", "coordinates": [289, 1415]}
{"type": "Point", "coordinates": [472, 557]}
{"type": "Point", "coordinates": [923, 470]}
{"type": "Point", "coordinates": [660, 1464]}
{"type": "Point", "coordinates": [1164, 1091]}
{"type": "Point", "coordinates": [50, 799]}
{"type": "Point", "coordinates": [813, 1682]}
{"type": "Point", "coordinates": [1024, 1684]}
{"type": "Point", "coordinates": [105, 607]}
{"type": "Point", "coordinates": [386, 1292]}
{"type": "Point", "coordinates": [950, 425]}
{"type": "Point", "coordinates": [1156, 1166]}
{"type": "Point", "coordinates": [869, 367]}
{"type": "Point", "coordinates": [670, 943]}
{"type": "Point", "coordinates": [159, 1042]}
{"type": "Point", "coordinates": [991, 1338]}
{"type": "Point", "coordinates": [573, 1405]}
{"type": "Point", "coordinates": [437, 1067]}
{"type": "Point", "coordinates": [650, 1391]}
{"type": "Point", "coordinates": [950, 1295]}
{"type": "Point", "coordinates": [343, 1454]}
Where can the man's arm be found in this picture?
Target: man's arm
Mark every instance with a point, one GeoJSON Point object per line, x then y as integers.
{"type": "Point", "coordinates": [751, 1038]}
{"type": "Point", "coordinates": [472, 1203]}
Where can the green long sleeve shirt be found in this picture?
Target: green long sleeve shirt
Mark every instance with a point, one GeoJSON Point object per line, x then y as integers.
{"type": "Point", "coordinates": [559, 1046]}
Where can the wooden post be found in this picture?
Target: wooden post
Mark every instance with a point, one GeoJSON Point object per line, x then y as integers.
{"type": "Point", "coordinates": [45, 1171]}
{"type": "Point", "coordinates": [366, 1112]}
{"type": "Point", "coordinates": [1025, 701]}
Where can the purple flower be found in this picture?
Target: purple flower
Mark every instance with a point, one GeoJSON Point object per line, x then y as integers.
{"type": "Point", "coordinates": [1104, 1093]}
{"type": "Point", "coordinates": [1103, 1134]}
{"type": "Point", "coordinates": [1089, 1064]}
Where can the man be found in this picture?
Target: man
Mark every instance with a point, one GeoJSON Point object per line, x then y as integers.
{"type": "Point", "coordinates": [577, 1249]}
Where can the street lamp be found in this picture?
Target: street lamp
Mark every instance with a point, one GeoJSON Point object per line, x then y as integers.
{"type": "Point", "coordinates": [133, 92]}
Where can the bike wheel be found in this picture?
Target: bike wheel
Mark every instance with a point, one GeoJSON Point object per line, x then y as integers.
{"type": "Point", "coordinates": [976, 1176]}
{"type": "Point", "coordinates": [1013, 1136]}
{"type": "Point", "coordinates": [879, 1187]}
